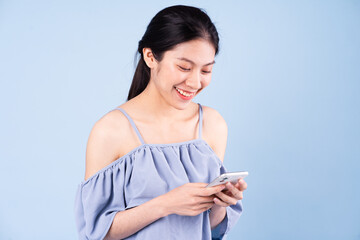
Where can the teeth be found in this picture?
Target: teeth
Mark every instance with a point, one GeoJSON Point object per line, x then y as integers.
{"type": "Point", "coordinates": [184, 93]}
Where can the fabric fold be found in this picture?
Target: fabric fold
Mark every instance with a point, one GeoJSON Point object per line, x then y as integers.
{"type": "Point", "coordinates": [148, 171]}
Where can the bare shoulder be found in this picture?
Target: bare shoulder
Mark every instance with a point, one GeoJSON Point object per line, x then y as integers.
{"type": "Point", "coordinates": [214, 118]}
{"type": "Point", "coordinates": [107, 141]}
{"type": "Point", "coordinates": [215, 131]}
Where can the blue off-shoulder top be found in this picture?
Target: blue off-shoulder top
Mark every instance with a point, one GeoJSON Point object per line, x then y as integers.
{"type": "Point", "coordinates": [144, 173]}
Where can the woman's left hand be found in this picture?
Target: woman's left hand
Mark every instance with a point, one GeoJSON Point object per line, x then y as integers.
{"type": "Point", "coordinates": [231, 195]}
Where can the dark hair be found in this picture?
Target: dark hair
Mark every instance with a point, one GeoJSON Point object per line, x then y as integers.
{"type": "Point", "coordinates": [169, 27]}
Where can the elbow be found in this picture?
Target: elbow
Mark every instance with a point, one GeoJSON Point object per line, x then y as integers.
{"type": "Point", "coordinates": [115, 235]}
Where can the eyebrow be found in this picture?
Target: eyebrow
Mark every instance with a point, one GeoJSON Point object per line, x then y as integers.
{"type": "Point", "coordinates": [188, 60]}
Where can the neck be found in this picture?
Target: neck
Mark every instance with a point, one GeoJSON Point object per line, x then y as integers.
{"type": "Point", "coordinates": [157, 108]}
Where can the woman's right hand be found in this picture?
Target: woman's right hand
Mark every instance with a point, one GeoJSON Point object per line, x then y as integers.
{"type": "Point", "coordinates": [190, 199]}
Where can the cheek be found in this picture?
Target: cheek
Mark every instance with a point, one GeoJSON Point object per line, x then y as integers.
{"type": "Point", "coordinates": [177, 77]}
{"type": "Point", "coordinates": [173, 75]}
{"type": "Point", "coordinates": [205, 81]}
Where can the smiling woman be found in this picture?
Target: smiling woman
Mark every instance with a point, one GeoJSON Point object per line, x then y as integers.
{"type": "Point", "coordinates": [148, 163]}
{"type": "Point", "coordinates": [185, 68]}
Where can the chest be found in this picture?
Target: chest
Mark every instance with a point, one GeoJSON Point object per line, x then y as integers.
{"type": "Point", "coordinates": [156, 170]}
{"type": "Point", "coordinates": [154, 133]}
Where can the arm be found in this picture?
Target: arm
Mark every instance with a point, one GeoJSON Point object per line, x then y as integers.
{"type": "Point", "coordinates": [215, 133]}
{"type": "Point", "coordinates": [132, 220]}
{"type": "Point", "coordinates": [216, 136]}
{"type": "Point", "coordinates": [189, 199]}
{"type": "Point", "coordinates": [102, 149]}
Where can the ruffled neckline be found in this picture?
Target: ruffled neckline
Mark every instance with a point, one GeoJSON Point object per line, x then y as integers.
{"type": "Point", "coordinates": [144, 145]}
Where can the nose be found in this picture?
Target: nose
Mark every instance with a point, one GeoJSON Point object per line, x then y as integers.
{"type": "Point", "coordinates": [194, 80]}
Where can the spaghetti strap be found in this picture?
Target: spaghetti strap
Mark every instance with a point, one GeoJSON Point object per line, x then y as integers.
{"type": "Point", "coordinates": [132, 124]}
{"type": "Point", "coordinates": [200, 120]}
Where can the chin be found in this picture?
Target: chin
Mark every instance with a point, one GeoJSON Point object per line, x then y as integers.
{"type": "Point", "coordinates": [183, 105]}
{"type": "Point", "coordinates": [179, 102]}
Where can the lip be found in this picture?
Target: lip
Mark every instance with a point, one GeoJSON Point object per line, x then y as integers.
{"type": "Point", "coordinates": [185, 97]}
{"type": "Point", "coordinates": [189, 92]}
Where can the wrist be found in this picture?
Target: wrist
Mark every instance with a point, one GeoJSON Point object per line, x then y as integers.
{"type": "Point", "coordinates": [159, 203]}
{"type": "Point", "coordinates": [217, 215]}
{"type": "Point", "coordinates": [217, 208]}
{"type": "Point", "coordinates": [218, 211]}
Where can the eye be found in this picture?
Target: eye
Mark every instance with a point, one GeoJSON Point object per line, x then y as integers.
{"type": "Point", "coordinates": [206, 72]}
{"type": "Point", "coordinates": [184, 69]}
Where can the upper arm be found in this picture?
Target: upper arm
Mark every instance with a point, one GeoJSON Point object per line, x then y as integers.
{"type": "Point", "coordinates": [215, 131]}
{"type": "Point", "coordinates": [102, 146]}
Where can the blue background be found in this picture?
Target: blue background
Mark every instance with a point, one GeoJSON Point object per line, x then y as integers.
{"type": "Point", "coordinates": [287, 82]}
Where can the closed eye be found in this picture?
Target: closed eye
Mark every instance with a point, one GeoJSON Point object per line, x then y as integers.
{"type": "Point", "coordinates": [206, 72]}
{"type": "Point", "coordinates": [184, 69]}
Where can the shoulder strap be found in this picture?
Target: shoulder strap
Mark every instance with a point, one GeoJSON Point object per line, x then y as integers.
{"type": "Point", "coordinates": [132, 124]}
{"type": "Point", "coordinates": [200, 120]}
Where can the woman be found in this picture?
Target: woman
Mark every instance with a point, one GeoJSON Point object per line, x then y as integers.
{"type": "Point", "coordinates": [148, 161]}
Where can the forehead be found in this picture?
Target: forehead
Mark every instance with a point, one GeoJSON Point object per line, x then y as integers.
{"type": "Point", "coordinates": [198, 51]}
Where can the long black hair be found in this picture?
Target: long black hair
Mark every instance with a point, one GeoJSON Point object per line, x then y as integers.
{"type": "Point", "coordinates": [169, 27]}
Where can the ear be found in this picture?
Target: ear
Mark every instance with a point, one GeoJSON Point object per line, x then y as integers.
{"type": "Point", "coordinates": [149, 58]}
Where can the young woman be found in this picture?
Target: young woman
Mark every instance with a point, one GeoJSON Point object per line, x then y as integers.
{"type": "Point", "coordinates": [148, 161]}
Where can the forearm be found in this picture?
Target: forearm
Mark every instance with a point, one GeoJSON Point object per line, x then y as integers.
{"type": "Point", "coordinates": [130, 221]}
{"type": "Point", "coordinates": [217, 215]}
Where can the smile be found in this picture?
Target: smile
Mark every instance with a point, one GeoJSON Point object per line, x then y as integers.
{"type": "Point", "coordinates": [186, 94]}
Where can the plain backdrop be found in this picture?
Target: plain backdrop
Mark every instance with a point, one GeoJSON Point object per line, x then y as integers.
{"type": "Point", "coordinates": [286, 80]}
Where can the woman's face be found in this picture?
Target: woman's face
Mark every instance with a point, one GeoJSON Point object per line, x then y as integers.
{"type": "Point", "coordinates": [183, 72]}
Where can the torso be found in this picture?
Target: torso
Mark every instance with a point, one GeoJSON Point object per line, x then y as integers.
{"type": "Point", "coordinates": [154, 132]}
{"type": "Point", "coordinates": [123, 138]}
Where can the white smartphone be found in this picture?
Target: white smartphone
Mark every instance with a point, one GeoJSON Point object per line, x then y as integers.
{"type": "Point", "coordinates": [232, 177]}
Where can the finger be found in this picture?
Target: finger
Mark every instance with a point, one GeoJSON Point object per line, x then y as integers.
{"type": "Point", "coordinates": [226, 198]}
{"type": "Point", "coordinates": [198, 211]}
{"type": "Point", "coordinates": [198, 184]}
{"type": "Point", "coordinates": [207, 199]}
{"type": "Point", "coordinates": [239, 196]}
{"type": "Point", "coordinates": [241, 185]}
{"type": "Point", "coordinates": [218, 202]}
{"type": "Point", "coordinates": [203, 207]}
{"type": "Point", "coordinates": [234, 191]}
{"type": "Point", "coordinates": [202, 210]}
{"type": "Point", "coordinates": [211, 190]}
{"type": "Point", "coordinates": [206, 205]}
{"type": "Point", "coordinates": [227, 192]}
